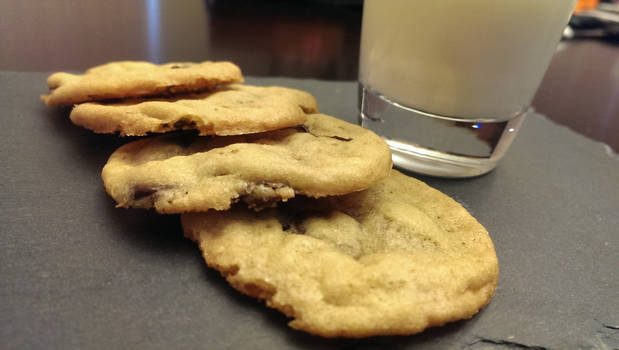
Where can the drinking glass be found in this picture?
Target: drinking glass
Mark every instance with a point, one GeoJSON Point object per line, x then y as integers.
{"type": "Point", "coordinates": [448, 83]}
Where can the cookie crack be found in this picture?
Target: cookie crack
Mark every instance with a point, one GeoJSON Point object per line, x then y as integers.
{"type": "Point", "coordinates": [346, 139]}
{"type": "Point", "coordinates": [303, 128]}
{"type": "Point", "coordinates": [339, 138]}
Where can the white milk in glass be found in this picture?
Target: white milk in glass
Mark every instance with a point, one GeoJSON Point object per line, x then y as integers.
{"type": "Point", "coordinates": [468, 62]}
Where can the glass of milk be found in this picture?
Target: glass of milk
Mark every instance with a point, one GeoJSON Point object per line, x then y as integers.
{"type": "Point", "coordinates": [448, 83]}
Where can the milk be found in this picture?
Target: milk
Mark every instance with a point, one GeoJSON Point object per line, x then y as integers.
{"type": "Point", "coordinates": [460, 58]}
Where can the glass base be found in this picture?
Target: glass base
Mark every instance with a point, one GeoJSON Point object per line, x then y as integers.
{"type": "Point", "coordinates": [437, 145]}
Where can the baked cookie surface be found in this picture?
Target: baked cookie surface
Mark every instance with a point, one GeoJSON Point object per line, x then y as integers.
{"type": "Point", "coordinates": [173, 174]}
{"type": "Point", "coordinates": [394, 259]}
{"type": "Point", "coordinates": [126, 79]}
{"type": "Point", "coordinates": [232, 110]}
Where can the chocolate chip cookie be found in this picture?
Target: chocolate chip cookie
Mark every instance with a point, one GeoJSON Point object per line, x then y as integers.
{"type": "Point", "coordinates": [175, 174]}
{"type": "Point", "coordinates": [232, 110]}
{"type": "Point", "coordinates": [126, 79]}
{"type": "Point", "coordinates": [394, 259]}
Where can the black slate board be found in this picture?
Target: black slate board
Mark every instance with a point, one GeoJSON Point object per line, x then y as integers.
{"type": "Point", "coordinates": [75, 272]}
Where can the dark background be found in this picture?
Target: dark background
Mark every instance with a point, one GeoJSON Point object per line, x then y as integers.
{"type": "Point", "coordinates": [303, 39]}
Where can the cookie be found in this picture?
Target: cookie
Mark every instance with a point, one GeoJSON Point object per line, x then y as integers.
{"type": "Point", "coordinates": [325, 156]}
{"type": "Point", "coordinates": [233, 110]}
{"type": "Point", "coordinates": [391, 260]}
{"type": "Point", "coordinates": [126, 79]}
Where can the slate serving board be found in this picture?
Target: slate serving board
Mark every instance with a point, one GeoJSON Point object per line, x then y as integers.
{"type": "Point", "coordinates": [75, 272]}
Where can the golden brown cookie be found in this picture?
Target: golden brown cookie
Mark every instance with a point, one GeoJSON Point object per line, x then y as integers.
{"type": "Point", "coordinates": [325, 156]}
{"type": "Point", "coordinates": [394, 259]}
{"type": "Point", "coordinates": [126, 79]}
{"type": "Point", "coordinates": [233, 110]}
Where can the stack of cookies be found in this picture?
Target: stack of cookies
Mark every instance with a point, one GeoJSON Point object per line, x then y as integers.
{"type": "Point", "coordinates": [292, 206]}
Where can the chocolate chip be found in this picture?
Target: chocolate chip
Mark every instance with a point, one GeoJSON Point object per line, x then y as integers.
{"type": "Point", "coordinates": [179, 66]}
{"type": "Point", "coordinates": [293, 216]}
{"type": "Point", "coordinates": [142, 191]}
{"type": "Point", "coordinates": [184, 124]}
